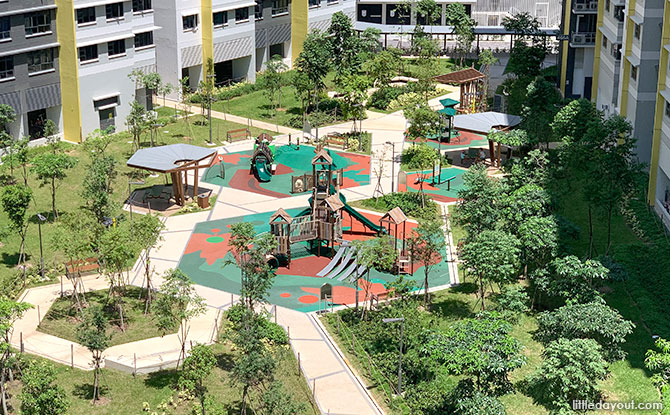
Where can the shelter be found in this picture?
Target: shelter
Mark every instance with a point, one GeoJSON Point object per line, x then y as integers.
{"type": "Point", "coordinates": [485, 122]}
{"type": "Point", "coordinates": [471, 82]}
{"type": "Point", "coordinates": [175, 159]}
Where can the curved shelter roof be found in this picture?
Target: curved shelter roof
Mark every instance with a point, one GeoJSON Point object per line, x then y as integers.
{"type": "Point", "coordinates": [165, 159]}
{"type": "Point", "coordinates": [483, 122]}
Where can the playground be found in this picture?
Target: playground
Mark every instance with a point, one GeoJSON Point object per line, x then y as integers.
{"type": "Point", "coordinates": [442, 188]}
{"type": "Point", "coordinates": [298, 285]}
{"type": "Point", "coordinates": [251, 170]}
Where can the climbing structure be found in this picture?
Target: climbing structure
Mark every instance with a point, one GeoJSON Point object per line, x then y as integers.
{"type": "Point", "coordinates": [395, 223]}
{"type": "Point", "coordinates": [262, 159]}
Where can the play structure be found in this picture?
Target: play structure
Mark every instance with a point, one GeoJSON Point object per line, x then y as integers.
{"type": "Point", "coordinates": [322, 222]}
{"type": "Point", "coordinates": [471, 83]}
{"type": "Point", "coordinates": [262, 158]}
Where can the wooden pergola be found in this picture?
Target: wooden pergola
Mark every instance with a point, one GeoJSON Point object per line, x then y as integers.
{"type": "Point", "coordinates": [471, 82]}
{"type": "Point", "coordinates": [176, 160]}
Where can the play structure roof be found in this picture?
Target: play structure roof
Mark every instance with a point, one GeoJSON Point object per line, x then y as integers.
{"type": "Point", "coordinates": [322, 154]}
{"type": "Point", "coordinates": [448, 102]}
{"type": "Point", "coordinates": [448, 111]}
{"type": "Point", "coordinates": [483, 122]}
{"type": "Point", "coordinates": [281, 213]}
{"type": "Point", "coordinates": [334, 202]}
{"type": "Point", "coordinates": [395, 215]}
{"type": "Point", "coordinates": [165, 159]}
{"type": "Point", "coordinates": [460, 77]}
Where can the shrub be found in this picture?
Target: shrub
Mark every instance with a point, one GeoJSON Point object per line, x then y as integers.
{"type": "Point", "coordinates": [404, 100]}
{"type": "Point", "coordinates": [465, 399]}
{"type": "Point", "coordinates": [410, 203]}
{"type": "Point", "coordinates": [414, 157]}
{"type": "Point", "coordinates": [595, 321]}
{"type": "Point", "coordinates": [513, 299]}
{"type": "Point", "coordinates": [382, 97]}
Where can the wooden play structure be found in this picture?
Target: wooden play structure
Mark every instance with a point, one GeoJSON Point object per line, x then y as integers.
{"type": "Point", "coordinates": [176, 160]}
{"type": "Point", "coordinates": [471, 83]}
{"type": "Point", "coordinates": [391, 221]}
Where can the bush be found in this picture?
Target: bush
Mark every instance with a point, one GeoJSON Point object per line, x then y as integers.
{"type": "Point", "coordinates": [513, 299]}
{"type": "Point", "coordinates": [295, 121]}
{"type": "Point", "coordinates": [410, 203]}
{"type": "Point", "coordinates": [382, 97]}
{"type": "Point", "coordinates": [465, 399]}
{"type": "Point", "coordinates": [414, 157]}
{"type": "Point", "coordinates": [270, 331]}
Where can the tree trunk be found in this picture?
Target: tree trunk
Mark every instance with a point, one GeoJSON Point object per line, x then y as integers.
{"type": "Point", "coordinates": [96, 376]}
{"type": "Point", "coordinates": [122, 324]}
{"type": "Point", "coordinates": [148, 276]}
{"type": "Point", "coordinates": [609, 229]}
{"type": "Point", "coordinates": [53, 197]}
{"type": "Point", "coordinates": [426, 295]}
{"type": "Point", "coordinates": [3, 393]}
{"type": "Point", "coordinates": [25, 175]}
{"type": "Point", "coordinates": [481, 292]}
{"type": "Point", "coordinates": [245, 391]}
{"type": "Point", "coordinates": [590, 233]}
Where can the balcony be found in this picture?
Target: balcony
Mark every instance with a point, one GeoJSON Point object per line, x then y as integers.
{"type": "Point", "coordinates": [583, 40]}
{"type": "Point", "coordinates": [585, 7]}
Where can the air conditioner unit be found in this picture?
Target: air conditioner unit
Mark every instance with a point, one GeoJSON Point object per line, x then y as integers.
{"type": "Point", "coordinates": [580, 6]}
{"type": "Point", "coordinates": [593, 5]}
{"type": "Point", "coordinates": [577, 38]}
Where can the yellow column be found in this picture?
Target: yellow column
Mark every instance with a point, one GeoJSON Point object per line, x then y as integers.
{"type": "Point", "coordinates": [207, 26]}
{"type": "Point", "coordinates": [69, 70]}
{"type": "Point", "coordinates": [299, 26]}
{"type": "Point", "coordinates": [660, 106]}
{"type": "Point", "coordinates": [599, 45]}
{"type": "Point", "coordinates": [628, 47]}
{"type": "Point", "coordinates": [566, 44]}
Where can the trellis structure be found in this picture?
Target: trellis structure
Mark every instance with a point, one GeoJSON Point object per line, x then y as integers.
{"type": "Point", "coordinates": [471, 83]}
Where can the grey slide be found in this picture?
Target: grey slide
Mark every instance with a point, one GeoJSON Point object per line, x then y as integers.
{"type": "Point", "coordinates": [347, 272]}
{"type": "Point", "coordinates": [359, 272]}
{"type": "Point", "coordinates": [344, 263]}
{"type": "Point", "coordinates": [334, 261]}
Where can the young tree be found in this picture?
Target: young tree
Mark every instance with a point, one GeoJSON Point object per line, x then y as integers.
{"type": "Point", "coordinates": [486, 60]}
{"type": "Point", "coordinates": [571, 279]}
{"type": "Point", "coordinates": [51, 135]}
{"type": "Point", "coordinates": [97, 186]}
{"type": "Point", "coordinates": [117, 250]}
{"type": "Point", "coordinates": [273, 80]}
{"type": "Point", "coordinates": [276, 401]}
{"type": "Point", "coordinates": [571, 122]}
{"type": "Point", "coordinates": [479, 348]}
{"type": "Point", "coordinates": [19, 155]}
{"type": "Point", "coordinates": [429, 11]}
{"type": "Point", "coordinates": [426, 49]}
{"type": "Point", "coordinates": [423, 158]}
{"type": "Point", "coordinates": [594, 320]}
{"type": "Point", "coordinates": [10, 311]}
{"type": "Point", "coordinates": [345, 46]}
{"type": "Point", "coordinates": [383, 67]}
{"type": "Point", "coordinates": [463, 27]}
{"type": "Point", "coordinates": [539, 240]}
{"type": "Point", "coordinates": [493, 256]}
{"type": "Point", "coordinates": [377, 253]}
{"type": "Point", "coordinates": [39, 395]}
{"type": "Point", "coordinates": [478, 201]}
{"type": "Point", "coordinates": [137, 122]}
{"type": "Point", "coordinates": [178, 304]}
{"type": "Point", "coordinates": [315, 61]}
{"type": "Point", "coordinates": [50, 168]}
{"type": "Point", "coordinates": [425, 246]}
{"type": "Point", "coordinates": [659, 362]}
{"type": "Point", "coordinates": [92, 334]}
{"type": "Point", "coordinates": [146, 233]}
{"type": "Point", "coordinates": [15, 201]}
{"type": "Point", "coordinates": [570, 371]}
{"type": "Point", "coordinates": [196, 368]}
{"type": "Point", "coordinates": [539, 110]}
{"type": "Point", "coordinates": [7, 116]}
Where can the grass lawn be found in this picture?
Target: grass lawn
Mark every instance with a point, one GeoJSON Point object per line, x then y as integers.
{"type": "Point", "coordinates": [125, 393]}
{"type": "Point", "coordinates": [62, 320]}
{"type": "Point", "coordinates": [68, 194]}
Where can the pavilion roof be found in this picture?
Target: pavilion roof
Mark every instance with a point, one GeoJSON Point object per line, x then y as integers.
{"type": "Point", "coordinates": [483, 122]}
{"type": "Point", "coordinates": [165, 159]}
{"type": "Point", "coordinates": [395, 215]}
{"type": "Point", "coordinates": [460, 77]}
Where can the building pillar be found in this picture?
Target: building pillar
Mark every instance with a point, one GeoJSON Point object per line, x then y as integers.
{"type": "Point", "coordinates": [207, 27]}
{"type": "Point", "coordinates": [69, 70]}
{"type": "Point", "coordinates": [384, 13]}
{"type": "Point", "coordinates": [299, 26]}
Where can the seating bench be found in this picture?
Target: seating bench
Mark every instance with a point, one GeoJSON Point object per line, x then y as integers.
{"type": "Point", "coordinates": [82, 266]}
{"type": "Point", "coordinates": [241, 134]}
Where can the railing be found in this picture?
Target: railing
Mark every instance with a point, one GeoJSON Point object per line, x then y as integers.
{"type": "Point", "coordinates": [585, 6]}
{"type": "Point", "coordinates": [584, 39]}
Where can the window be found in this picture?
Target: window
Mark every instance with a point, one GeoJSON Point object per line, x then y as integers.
{"type": "Point", "coordinates": [604, 41]}
{"type": "Point", "coordinates": [633, 72]}
{"type": "Point", "coordinates": [6, 67]}
{"type": "Point", "coordinates": [5, 28]}
{"type": "Point", "coordinates": [143, 40]}
{"type": "Point", "coordinates": [667, 109]}
{"type": "Point", "coordinates": [88, 53]}
{"type": "Point", "coordinates": [220, 19]}
{"type": "Point", "coordinates": [493, 20]}
{"type": "Point", "coordinates": [618, 13]}
{"type": "Point", "coordinates": [40, 61]}
{"type": "Point", "coordinates": [242, 14]}
{"type": "Point", "coordinates": [258, 10]}
{"type": "Point", "coordinates": [636, 31]}
{"type": "Point", "coordinates": [279, 7]}
{"type": "Point", "coordinates": [314, 3]}
{"type": "Point", "coordinates": [39, 22]}
{"type": "Point", "coordinates": [190, 22]}
{"type": "Point", "coordinates": [86, 15]}
{"type": "Point", "coordinates": [116, 47]}
{"type": "Point", "coordinates": [114, 11]}
{"type": "Point", "coordinates": [607, 5]}
{"type": "Point", "coordinates": [141, 5]}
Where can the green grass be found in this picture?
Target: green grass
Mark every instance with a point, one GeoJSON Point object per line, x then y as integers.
{"type": "Point", "coordinates": [68, 194]}
{"type": "Point", "coordinates": [62, 319]}
{"type": "Point", "coordinates": [124, 394]}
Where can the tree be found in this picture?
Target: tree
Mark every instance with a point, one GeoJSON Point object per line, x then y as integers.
{"type": "Point", "coordinates": [377, 253]}
{"type": "Point", "coordinates": [353, 89]}
{"type": "Point", "coordinates": [116, 250]}
{"type": "Point", "coordinates": [10, 311]}
{"type": "Point", "coordinates": [539, 240]}
{"type": "Point", "coordinates": [273, 80]}
{"type": "Point", "coordinates": [463, 27]}
{"type": "Point", "coordinates": [97, 186]}
{"type": "Point", "coordinates": [572, 121]}
{"type": "Point", "coordinates": [166, 89]}
{"type": "Point", "coordinates": [276, 401]}
{"type": "Point", "coordinates": [196, 368]}
{"type": "Point", "coordinates": [493, 256]}
{"type": "Point", "coordinates": [146, 233]}
{"type": "Point", "coordinates": [345, 46]}
{"type": "Point", "coordinates": [52, 167]}
{"type": "Point", "coordinates": [15, 201]}
{"type": "Point", "coordinates": [486, 60]}
{"type": "Point", "coordinates": [522, 24]}
{"type": "Point", "coordinates": [539, 110]}
{"type": "Point", "coordinates": [570, 279]}
{"type": "Point", "coordinates": [425, 246]}
{"type": "Point", "coordinates": [137, 122]}
{"type": "Point", "coordinates": [178, 304]}
{"type": "Point", "coordinates": [39, 395]}
{"type": "Point", "coordinates": [92, 334]}
{"type": "Point", "coordinates": [383, 67]}
{"type": "Point", "coordinates": [315, 61]}
{"type": "Point", "coordinates": [477, 210]}
{"type": "Point", "coordinates": [524, 203]}
{"type": "Point", "coordinates": [479, 348]}
{"type": "Point", "coordinates": [19, 155]}
{"type": "Point", "coordinates": [423, 158]}
{"type": "Point", "coordinates": [429, 11]}
{"type": "Point", "coordinates": [7, 116]}
{"type": "Point", "coordinates": [426, 49]}
{"type": "Point", "coordinates": [659, 362]}
{"type": "Point", "coordinates": [570, 371]}
{"type": "Point", "coordinates": [51, 135]}
{"type": "Point", "coordinates": [595, 321]}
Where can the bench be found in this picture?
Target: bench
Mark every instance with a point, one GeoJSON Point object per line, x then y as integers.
{"type": "Point", "coordinates": [448, 181]}
{"type": "Point", "coordinates": [82, 266]}
{"type": "Point", "coordinates": [336, 140]}
{"type": "Point", "coordinates": [240, 134]}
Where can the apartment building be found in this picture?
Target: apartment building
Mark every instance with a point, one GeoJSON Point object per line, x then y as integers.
{"type": "Point", "coordinates": [29, 70]}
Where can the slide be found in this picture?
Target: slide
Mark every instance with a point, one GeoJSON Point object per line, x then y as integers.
{"type": "Point", "coordinates": [333, 262]}
{"type": "Point", "coordinates": [356, 215]}
{"type": "Point", "coordinates": [344, 263]}
{"type": "Point", "coordinates": [262, 170]}
{"type": "Point", "coordinates": [347, 272]}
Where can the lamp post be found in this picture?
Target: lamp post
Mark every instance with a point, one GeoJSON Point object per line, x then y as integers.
{"type": "Point", "coordinates": [41, 219]}
{"type": "Point", "coordinates": [402, 331]}
{"type": "Point", "coordinates": [392, 165]}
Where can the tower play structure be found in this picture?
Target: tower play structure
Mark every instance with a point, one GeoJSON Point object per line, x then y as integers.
{"type": "Point", "coordinates": [262, 158]}
{"type": "Point", "coordinates": [322, 222]}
